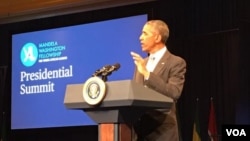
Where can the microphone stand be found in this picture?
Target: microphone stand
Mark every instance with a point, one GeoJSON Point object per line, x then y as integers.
{"type": "Point", "coordinates": [105, 78]}
{"type": "Point", "coordinates": [105, 75]}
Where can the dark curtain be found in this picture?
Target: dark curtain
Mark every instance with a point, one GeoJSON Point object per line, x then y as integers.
{"type": "Point", "coordinates": [3, 73]}
{"type": "Point", "coordinates": [212, 71]}
{"type": "Point", "coordinates": [243, 104]}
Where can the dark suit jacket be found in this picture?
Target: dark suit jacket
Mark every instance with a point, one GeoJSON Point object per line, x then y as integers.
{"type": "Point", "coordinates": [168, 79]}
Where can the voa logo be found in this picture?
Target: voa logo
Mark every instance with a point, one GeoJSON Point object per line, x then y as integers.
{"type": "Point", "coordinates": [236, 132]}
{"type": "Point", "coordinates": [29, 54]}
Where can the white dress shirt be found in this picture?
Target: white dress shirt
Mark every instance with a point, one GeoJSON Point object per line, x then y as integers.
{"type": "Point", "coordinates": [154, 59]}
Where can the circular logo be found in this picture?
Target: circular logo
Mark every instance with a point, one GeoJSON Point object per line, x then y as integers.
{"type": "Point", "coordinates": [94, 90]}
{"type": "Point", "coordinates": [29, 54]}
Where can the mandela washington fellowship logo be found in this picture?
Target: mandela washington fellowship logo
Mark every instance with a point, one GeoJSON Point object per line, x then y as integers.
{"type": "Point", "coordinates": [29, 54]}
{"type": "Point", "coordinates": [94, 90]}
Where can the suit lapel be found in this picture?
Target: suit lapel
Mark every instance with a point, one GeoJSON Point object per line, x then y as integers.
{"type": "Point", "coordinates": [162, 63]}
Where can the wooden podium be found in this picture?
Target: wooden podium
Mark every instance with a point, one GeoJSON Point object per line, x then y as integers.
{"type": "Point", "coordinates": [125, 101]}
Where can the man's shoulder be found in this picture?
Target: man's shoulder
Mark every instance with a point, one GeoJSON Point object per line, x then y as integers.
{"type": "Point", "coordinates": [175, 57]}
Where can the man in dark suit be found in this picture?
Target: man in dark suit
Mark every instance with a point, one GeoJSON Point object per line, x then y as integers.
{"type": "Point", "coordinates": [163, 72]}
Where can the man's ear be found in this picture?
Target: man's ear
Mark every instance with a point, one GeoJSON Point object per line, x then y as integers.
{"type": "Point", "coordinates": [158, 38]}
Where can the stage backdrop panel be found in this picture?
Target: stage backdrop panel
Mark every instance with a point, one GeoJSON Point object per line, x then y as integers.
{"type": "Point", "coordinates": [44, 62]}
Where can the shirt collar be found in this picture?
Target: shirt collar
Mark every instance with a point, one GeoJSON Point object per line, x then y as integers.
{"type": "Point", "coordinates": [159, 53]}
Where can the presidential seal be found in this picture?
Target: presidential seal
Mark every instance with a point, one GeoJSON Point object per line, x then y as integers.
{"type": "Point", "coordinates": [94, 90]}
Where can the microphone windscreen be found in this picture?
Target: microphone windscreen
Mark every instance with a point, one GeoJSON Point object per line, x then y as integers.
{"type": "Point", "coordinates": [117, 66]}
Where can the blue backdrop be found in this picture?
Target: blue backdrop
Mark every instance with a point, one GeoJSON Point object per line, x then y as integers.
{"type": "Point", "coordinates": [44, 62]}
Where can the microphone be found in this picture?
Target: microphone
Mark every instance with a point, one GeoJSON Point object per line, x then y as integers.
{"type": "Point", "coordinates": [100, 71]}
{"type": "Point", "coordinates": [112, 68]}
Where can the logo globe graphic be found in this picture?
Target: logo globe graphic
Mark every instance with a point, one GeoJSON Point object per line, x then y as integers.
{"type": "Point", "coordinates": [29, 54]}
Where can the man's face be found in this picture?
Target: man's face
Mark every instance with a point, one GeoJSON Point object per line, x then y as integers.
{"type": "Point", "coordinates": [147, 38]}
